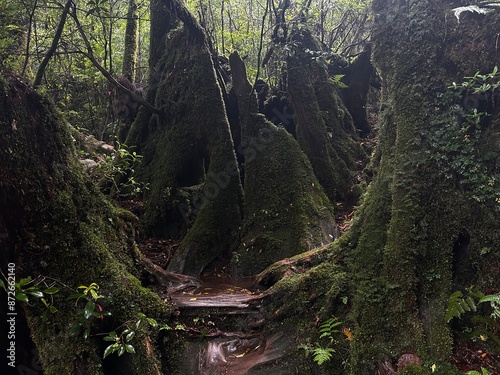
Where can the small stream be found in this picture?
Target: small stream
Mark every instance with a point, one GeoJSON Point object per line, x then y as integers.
{"type": "Point", "coordinates": [234, 340]}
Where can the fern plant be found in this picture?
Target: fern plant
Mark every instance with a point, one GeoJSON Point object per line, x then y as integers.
{"type": "Point", "coordinates": [459, 304]}
{"type": "Point", "coordinates": [327, 332]}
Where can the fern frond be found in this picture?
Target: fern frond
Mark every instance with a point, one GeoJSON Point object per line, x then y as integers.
{"type": "Point", "coordinates": [458, 305]}
{"type": "Point", "coordinates": [322, 355]}
{"type": "Point", "coordinates": [494, 300]}
{"type": "Point", "coordinates": [329, 327]}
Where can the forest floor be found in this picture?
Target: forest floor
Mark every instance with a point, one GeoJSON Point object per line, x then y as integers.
{"type": "Point", "coordinates": [236, 352]}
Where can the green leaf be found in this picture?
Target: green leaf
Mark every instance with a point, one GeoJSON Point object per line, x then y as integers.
{"type": "Point", "coordinates": [36, 293]}
{"type": "Point", "coordinates": [86, 333]}
{"type": "Point", "coordinates": [20, 296]}
{"type": "Point", "coordinates": [76, 296]}
{"type": "Point", "coordinates": [110, 349]}
{"type": "Point", "coordinates": [129, 348]}
{"type": "Point", "coordinates": [166, 327]}
{"type": "Point", "coordinates": [129, 336]}
{"type": "Point", "coordinates": [153, 323]}
{"type": "Point", "coordinates": [2, 284]}
{"type": "Point", "coordinates": [322, 355]}
{"type": "Point", "coordinates": [109, 338]}
{"type": "Point", "coordinates": [121, 350]}
{"type": "Point", "coordinates": [52, 290]}
{"type": "Point", "coordinates": [24, 281]}
{"type": "Point", "coordinates": [89, 309]}
{"type": "Point", "coordinates": [52, 309]}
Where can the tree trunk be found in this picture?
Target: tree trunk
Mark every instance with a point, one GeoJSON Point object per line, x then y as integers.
{"type": "Point", "coordinates": [195, 192]}
{"type": "Point", "coordinates": [324, 127]}
{"type": "Point", "coordinates": [53, 46]}
{"type": "Point", "coordinates": [286, 210]}
{"type": "Point", "coordinates": [55, 225]}
{"type": "Point", "coordinates": [425, 215]}
{"type": "Point", "coordinates": [131, 42]}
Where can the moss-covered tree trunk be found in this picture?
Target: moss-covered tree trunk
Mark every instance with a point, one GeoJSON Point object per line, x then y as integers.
{"type": "Point", "coordinates": [57, 227]}
{"type": "Point", "coordinates": [324, 127]}
{"type": "Point", "coordinates": [434, 202]}
{"type": "Point", "coordinates": [189, 162]}
{"type": "Point", "coordinates": [131, 42]}
{"type": "Point", "coordinates": [286, 210]}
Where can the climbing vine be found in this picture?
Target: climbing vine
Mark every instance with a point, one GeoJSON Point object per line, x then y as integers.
{"type": "Point", "coordinates": [461, 122]}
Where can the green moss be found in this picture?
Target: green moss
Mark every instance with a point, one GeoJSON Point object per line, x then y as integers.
{"type": "Point", "coordinates": [68, 232]}
{"type": "Point", "coordinates": [325, 129]}
{"type": "Point", "coordinates": [412, 218]}
{"type": "Point", "coordinates": [286, 211]}
{"type": "Point", "coordinates": [188, 158]}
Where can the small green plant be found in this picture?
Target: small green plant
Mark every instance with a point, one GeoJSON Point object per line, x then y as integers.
{"type": "Point", "coordinates": [474, 372]}
{"type": "Point", "coordinates": [457, 139]}
{"type": "Point", "coordinates": [89, 302]}
{"type": "Point", "coordinates": [328, 331]}
{"type": "Point", "coordinates": [88, 298]}
{"type": "Point", "coordinates": [478, 325]}
{"type": "Point", "coordinates": [126, 332]}
{"type": "Point", "coordinates": [118, 171]}
{"type": "Point", "coordinates": [459, 304]}
{"type": "Point", "coordinates": [26, 288]}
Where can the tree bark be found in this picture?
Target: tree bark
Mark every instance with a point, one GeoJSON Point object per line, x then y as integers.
{"type": "Point", "coordinates": [409, 248]}
{"type": "Point", "coordinates": [131, 42]}
{"type": "Point", "coordinates": [56, 225]}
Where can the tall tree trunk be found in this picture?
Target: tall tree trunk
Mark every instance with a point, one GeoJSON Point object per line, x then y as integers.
{"type": "Point", "coordinates": [55, 225]}
{"type": "Point", "coordinates": [286, 210]}
{"type": "Point", "coordinates": [427, 211]}
{"type": "Point", "coordinates": [131, 42]}
{"type": "Point", "coordinates": [195, 192]}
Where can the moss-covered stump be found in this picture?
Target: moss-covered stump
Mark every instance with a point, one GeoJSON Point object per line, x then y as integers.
{"type": "Point", "coordinates": [423, 218]}
{"type": "Point", "coordinates": [286, 211]}
{"type": "Point", "coordinates": [56, 224]}
{"type": "Point", "coordinates": [189, 162]}
{"type": "Point", "coordinates": [324, 127]}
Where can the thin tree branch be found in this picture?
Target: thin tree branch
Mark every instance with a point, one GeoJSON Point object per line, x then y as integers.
{"type": "Point", "coordinates": [53, 47]}
{"type": "Point", "coordinates": [105, 73]}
